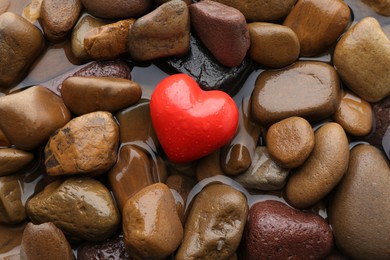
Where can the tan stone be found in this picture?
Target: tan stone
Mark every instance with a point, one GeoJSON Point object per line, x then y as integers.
{"type": "Point", "coordinates": [163, 32]}
{"type": "Point", "coordinates": [12, 160]}
{"type": "Point", "coordinates": [29, 117]}
{"type": "Point", "coordinates": [44, 242]}
{"type": "Point", "coordinates": [323, 170]}
{"type": "Point", "coordinates": [108, 42]}
{"type": "Point", "coordinates": [318, 24]}
{"type": "Point", "coordinates": [12, 209]}
{"type": "Point", "coordinates": [81, 207]}
{"type": "Point", "coordinates": [84, 95]}
{"type": "Point", "coordinates": [357, 53]}
{"type": "Point", "coordinates": [382, 7]}
{"type": "Point", "coordinates": [354, 115]}
{"type": "Point", "coordinates": [273, 45]}
{"type": "Point", "coordinates": [86, 145]}
{"type": "Point", "coordinates": [4, 4]}
{"type": "Point", "coordinates": [151, 225]}
{"type": "Point", "coordinates": [290, 141]}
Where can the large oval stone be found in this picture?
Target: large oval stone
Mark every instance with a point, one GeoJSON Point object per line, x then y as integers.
{"type": "Point", "coordinates": [360, 207]}
{"type": "Point", "coordinates": [307, 89]}
{"type": "Point", "coordinates": [82, 208]}
{"type": "Point", "coordinates": [117, 9]}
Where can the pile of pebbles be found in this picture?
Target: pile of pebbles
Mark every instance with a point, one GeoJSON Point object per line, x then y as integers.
{"type": "Point", "coordinates": [82, 172]}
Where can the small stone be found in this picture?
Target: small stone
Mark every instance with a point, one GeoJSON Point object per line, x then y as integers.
{"type": "Point", "coordinates": [382, 7]}
{"type": "Point", "coordinates": [29, 117]}
{"type": "Point", "coordinates": [323, 170]}
{"type": "Point", "coordinates": [118, 9]}
{"type": "Point", "coordinates": [215, 224]}
{"type": "Point", "coordinates": [182, 184]}
{"type": "Point", "coordinates": [13, 160]}
{"type": "Point", "coordinates": [360, 207]}
{"type": "Point", "coordinates": [151, 225]}
{"type": "Point", "coordinates": [264, 173]}
{"type": "Point", "coordinates": [110, 69]}
{"type": "Point", "coordinates": [81, 207]}
{"type": "Point", "coordinates": [307, 89]}
{"type": "Point", "coordinates": [290, 141]}
{"type": "Point", "coordinates": [108, 42]}
{"type": "Point", "coordinates": [354, 115]}
{"type": "Point", "coordinates": [15, 62]}
{"type": "Point", "coordinates": [356, 53]}
{"type": "Point", "coordinates": [261, 10]}
{"type": "Point", "coordinates": [318, 24]}
{"type": "Point", "coordinates": [273, 45]}
{"type": "Point", "coordinates": [86, 145]}
{"type": "Point", "coordinates": [58, 17]}
{"type": "Point", "coordinates": [276, 231]}
{"type": "Point", "coordinates": [84, 95]}
{"type": "Point", "coordinates": [222, 29]}
{"type": "Point", "coordinates": [12, 209]}
{"type": "Point", "coordinates": [162, 33]}
{"type": "Point", "coordinates": [44, 241]}
{"type": "Point", "coordinates": [209, 166]}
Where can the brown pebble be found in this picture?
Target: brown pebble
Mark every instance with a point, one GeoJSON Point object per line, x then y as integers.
{"type": "Point", "coordinates": [4, 4]}
{"type": "Point", "coordinates": [118, 9]}
{"type": "Point", "coordinates": [209, 166]}
{"type": "Point", "coordinates": [12, 210]}
{"type": "Point", "coordinates": [382, 7]}
{"type": "Point", "coordinates": [12, 160]}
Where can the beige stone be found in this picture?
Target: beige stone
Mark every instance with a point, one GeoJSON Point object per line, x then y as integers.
{"type": "Point", "coordinates": [118, 9]}
{"type": "Point", "coordinates": [382, 7]}
{"type": "Point", "coordinates": [362, 62]}
{"type": "Point", "coordinates": [12, 209]}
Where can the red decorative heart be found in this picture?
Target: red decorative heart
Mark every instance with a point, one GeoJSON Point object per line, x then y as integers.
{"type": "Point", "coordinates": [191, 123]}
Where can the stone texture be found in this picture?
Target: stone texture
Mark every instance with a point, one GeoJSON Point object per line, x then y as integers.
{"type": "Point", "coordinates": [108, 42]}
{"type": "Point", "coordinates": [118, 9]}
{"type": "Point", "coordinates": [4, 142]}
{"type": "Point", "coordinates": [44, 242]}
{"type": "Point", "coordinates": [359, 209]}
{"type": "Point", "coordinates": [318, 24]}
{"type": "Point", "coordinates": [84, 95]}
{"type": "Point", "coordinates": [15, 62]}
{"type": "Point", "coordinates": [307, 89]}
{"type": "Point", "coordinates": [354, 115]}
{"type": "Point", "coordinates": [222, 29]}
{"type": "Point", "coordinates": [290, 141]}
{"type": "Point", "coordinates": [215, 224]}
{"type": "Point", "coordinates": [86, 145]}
{"type": "Point", "coordinates": [4, 5]}
{"type": "Point", "coordinates": [110, 69]}
{"type": "Point", "coordinates": [12, 209]}
{"type": "Point", "coordinates": [209, 166]}
{"type": "Point", "coordinates": [160, 2]}
{"type": "Point", "coordinates": [13, 160]}
{"type": "Point", "coordinates": [382, 7]}
{"type": "Point", "coordinates": [352, 60]}
{"type": "Point", "coordinates": [29, 117]}
{"type": "Point", "coordinates": [276, 231]}
{"type": "Point", "coordinates": [151, 225]}
{"type": "Point", "coordinates": [81, 207]}
{"type": "Point", "coordinates": [58, 17]}
{"type": "Point", "coordinates": [264, 173]}
{"type": "Point", "coordinates": [323, 170]}
{"type": "Point", "coordinates": [261, 10]}
{"type": "Point", "coordinates": [163, 32]}
{"type": "Point", "coordinates": [273, 45]}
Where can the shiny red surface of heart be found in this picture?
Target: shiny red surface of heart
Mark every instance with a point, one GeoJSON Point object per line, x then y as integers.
{"type": "Point", "coordinates": [191, 123]}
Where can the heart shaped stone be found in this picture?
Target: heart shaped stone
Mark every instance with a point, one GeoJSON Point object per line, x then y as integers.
{"type": "Point", "coordinates": [191, 123]}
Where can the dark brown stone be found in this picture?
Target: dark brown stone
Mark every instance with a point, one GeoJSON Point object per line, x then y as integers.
{"type": "Point", "coordinates": [118, 9]}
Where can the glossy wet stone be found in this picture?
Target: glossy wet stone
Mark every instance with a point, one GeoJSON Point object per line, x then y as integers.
{"type": "Point", "coordinates": [323, 170]}
{"type": "Point", "coordinates": [290, 141]}
{"type": "Point", "coordinates": [157, 231]}
{"type": "Point", "coordinates": [118, 9]}
{"type": "Point", "coordinates": [83, 95]}
{"type": "Point", "coordinates": [44, 241]}
{"type": "Point", "coordinates": [161, 33]}
{"type": "Point", "coordinates": [359, 210]}
{"type": "Point", "coordinates": [215, 224]}
{"type": "Point", "coordinates": [209, 166]}
{"type": "Point", "coordinates": [86, 145]}
{"type": "Point", "coordinates": [307, 89]}
{"type": "Point", "coordinates": [206, 70]}
{"type": "Point", "coordinates": [182, 184]}
{"type": "Point", "coordinates": [12, 209]}
{"type": "Point", "coordinates": [222, 29]}
{"type": "Point", "coordinates": [352, 60]}
{"type": "Point", "coordinates": [318, 24]}
{"type": "Point", "coordinates": [354, 115]}
{"type": "Point", "coordinates": [81, 207]}
{"type": "Point", "coordinates": [263, 10]}
{"type": "Point", "coordinates": [264, 173]}
{"type": "Point", "coordinates": [13, 160]}
{"type": "Point", "coordinates": [29, 117]}
{"type": "Point", "coordinates": [15, 62]}
{"type": "Point", "coordinates": [273, 45]}
{"type": "Point", "coordinates": [108, 42]}
{"type": "Point", "coordinates": [58, 17]}
{"type": "Point", "coordinates": [276, 231]}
